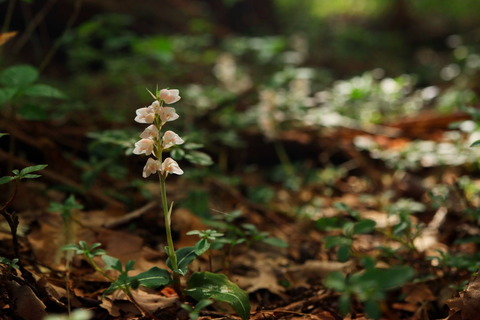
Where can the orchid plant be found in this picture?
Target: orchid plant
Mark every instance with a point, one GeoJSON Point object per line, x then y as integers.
{"type": "Point", "coordinates": [153, 143]}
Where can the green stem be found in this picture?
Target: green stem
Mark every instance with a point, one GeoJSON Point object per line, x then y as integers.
{"type": "Point", "coordinates": [170, 247]}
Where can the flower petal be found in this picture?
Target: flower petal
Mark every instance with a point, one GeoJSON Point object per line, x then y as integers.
{"type": "Point", "coordinates": [170, 139]}
{"type": "Point", "coordinates": [144, 146]}
{"type": "Point", "coordinates": [145, 115]}
{"type": "Point", "coordinates": [169, 95]}
{"type": "Point", "coordinates": [151, 167]}
{"type": "Point", "coordinates": [171, 166]}
{"type": "Point", "coordinates": [167, 114]}
{"type": "Point", "coordinates": [150, 132]}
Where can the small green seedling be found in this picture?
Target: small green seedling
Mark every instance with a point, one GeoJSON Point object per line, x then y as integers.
{"type": "Point", "coordinates": [11, 217]}
{"type": "Point", "coordinates": [207, 237]}
{"type": "Point", "coordinates": [194, 313]}
{"type": "Point", "coordinates": [349, 227]}
{"type": "Point", "coordinates": [368, 286]}
{"type": "Point", "coordinates": [10, 263]}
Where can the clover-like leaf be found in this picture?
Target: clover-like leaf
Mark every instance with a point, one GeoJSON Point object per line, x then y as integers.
{"type": "Point", "coordinates": [207, 285]}
{"type": "Point", "coordinates": [18, 76]}
{"type": "Point", "coordinates": [198, 157]}
{"type": "Point", "coordinates": [43, 90]}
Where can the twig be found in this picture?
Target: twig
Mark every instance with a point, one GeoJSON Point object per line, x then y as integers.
{"type": "Point", "coordinates": [37, 19]}
{"type": "Point", "coordinates": [131, 215]}
{"type": "Point", "coordinates": [58, 42]}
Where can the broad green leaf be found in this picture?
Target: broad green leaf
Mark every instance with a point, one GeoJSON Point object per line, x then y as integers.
{"type": "Point", "coordinates": [276, 242]}
{"type": "Point", "coordinates": [116, 285]}
{"type": "Point", "coordinates": [201, 247]}
{"type": "Point", "coordinates": [372, 307]}
{"type": "Point", "coordinates": [129, 266]}
{"type": "Point", "coordinates": [206, 285]}
{"type": "Point", "coordinates": [185, 256]}
{"type": "Point", "coordinates": [18, 76]}
{"type": "Point", "coordinates": [177, 153]}
{"type": "Point", "coordinates": [4, 134]}
{"type": "Point", "coordinates": [364, 226]}
{"type": "Point", "coordinates": [344, 303]}
{"type": "Point", "coordinates": [154, 278]}
{"type": "Point", "coordinates": [7, 94]}
{"type": "Point", "coordinates": [198, 157]}
{"type": "Point", "coordinates": [31, 169]}
{"type": "Point", "coordinates": [390, 278]}
{"type": "Point", "coordinates": [330, 223]}
{"type": "Point", "coordinates": [343, 253]}
{"type": "Point", "coordinates": [474, 144]}
{"type": "Point", "coordinates": [336, 281]}
{"type": "Point", "coordinates": [6, 179]}
{"type": "Point", "coordinates": [44, 90]}
{"type": "Point", "coordinates": [332, 241]}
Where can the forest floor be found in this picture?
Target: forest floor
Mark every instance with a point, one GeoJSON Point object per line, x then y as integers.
{"type": "Point", "coordinates": [434, 241]}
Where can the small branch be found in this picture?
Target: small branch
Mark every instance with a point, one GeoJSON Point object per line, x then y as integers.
{"type": "Point", "coordinates": [130, 216]}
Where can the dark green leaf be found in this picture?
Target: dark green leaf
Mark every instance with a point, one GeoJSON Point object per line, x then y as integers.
{"type": "Point", "coordinates": [364, 226]}
{"type": "Point", "coordinates": [372, 308]}
{"type": "Point", "coordinates": [6, 179]}
{"type": "Point", "coordinates": [129, 265]}
{"type": "Point", "coordinates": [276, 242]}
{"type": "Point", "coordinates": [206, 285]}
{"type": "Point", "coordinates": [336, 281]}
{"type": "Point", "coordinates": [7, 94]}
{"type": "Point", "coordinates": [476, 143]}
{"type": "Point", "coordinates": [344, 303]}
{"type": "Point", "coordinates": [332, 241]}
{"type": "Point", "coordinates": [390, 278]}
{"type": "Point", "coordinates": [198, 157]}
{"type": "Point", "coordinates": [31, 176]}
{"type": "Point", "coordinates": [30, 169]}
{"type": "Point", "coordinates": [343, 253]}
{"type": "Point", "coordinates": [185, 256]}
{"type": "Point", "coordinates": [43, 90]}
{"type": "Point", "coordinates": [177, 153]}
{"type": "Point", "coordinates": [201, 246]}
{"type": "Point", "coordinates": [154, 278]}
{"type": "Point", "coordinates": [112, 263]}
{"type": "Point", "coordinates": [18, 76]}
{"type": "Point", "coordinates": [330, 223]}
{"type": "Point", "coordinates": [3, 134]}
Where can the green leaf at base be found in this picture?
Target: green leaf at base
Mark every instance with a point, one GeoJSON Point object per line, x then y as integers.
{"type": "Point", "coordinates": [207, 285]}
{"type": "Point", "coordinates": [154, 278]}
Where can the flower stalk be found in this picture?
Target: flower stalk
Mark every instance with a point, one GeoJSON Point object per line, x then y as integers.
{"type": "Point", "coordinates": [154, 142]}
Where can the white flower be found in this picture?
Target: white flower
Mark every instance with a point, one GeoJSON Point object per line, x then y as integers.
{"type": "Point", "coordinates": [169, 96]}
{"type": "Point", "coordinates": [167, 114]}
{"type": "Point", "coordinates": [145, 115]}
{"type": "Point", "coordinates": [155, 107]}
{"type": "Point", "coordinates": [151, 167]}
{"type": "Point", "coordinates": [170, 139]}
{"type": "Point", "coordinates": [150, 132]}
{"type": "Point", "coordinates": [170, 166]}
{"type": "Point", "coordinates": [144, 146]}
